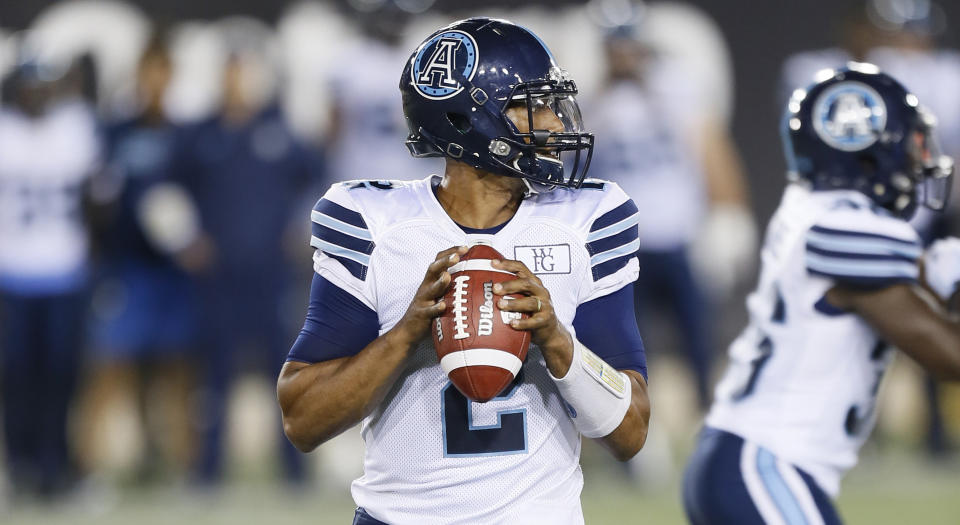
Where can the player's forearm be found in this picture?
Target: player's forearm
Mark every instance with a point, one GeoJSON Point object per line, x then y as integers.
{"type": "Point", "coordinates": [936, 348]}
{"type": "Point", "coordinates": [631, 434]}
{"type": "Point", "coordinates": [321, 400]}
{"type": "Point", "coordinates": [558, 353]}
{"type": "Point", "coordinates": [904, 318]}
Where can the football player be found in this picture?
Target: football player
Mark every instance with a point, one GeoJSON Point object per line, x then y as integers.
{"type": "Point", "coordinates": [489, 96]}
{"type": "Point", "coordinates": [842, 283]}
{"type": "Point", "coordinates": [49, 150]}
{"type": "Point", "coordinates": [901, 37]}
{"type": "Point", "coordinates": [365, 112]}
{"type": "Point", "coordinates": [683, 170]}
{"type": "Point", "coordinates": [244, 169]}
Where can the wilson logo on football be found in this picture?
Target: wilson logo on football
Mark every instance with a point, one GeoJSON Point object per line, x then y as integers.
{"type": "Point", "coordinates": [483, 356]}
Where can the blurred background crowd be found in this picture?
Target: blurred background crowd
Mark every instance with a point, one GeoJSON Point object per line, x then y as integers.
{"type": "Point", "coordinates": [158, 161]}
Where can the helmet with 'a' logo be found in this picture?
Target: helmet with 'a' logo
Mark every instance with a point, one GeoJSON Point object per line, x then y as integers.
{"type": "Point", "coordinates": [458, 86]}
{"type": "Point", "coordinates": [858, 128]}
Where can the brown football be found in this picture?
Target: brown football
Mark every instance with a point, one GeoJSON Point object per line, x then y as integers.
{"type": "Point", "coordinates": [477, 348]}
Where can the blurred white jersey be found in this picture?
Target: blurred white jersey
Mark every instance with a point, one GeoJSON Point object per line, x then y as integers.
{"type": "Point", "coordinates": [432, 456]}
{"type": "Point", "coordinates": [43, 165]}
{"type": "Point", "coordinates": [648, 143]}
{"type": "Point", "coordinates": [372, 128]}
{"type": "Point", "coordinates": [803, 376]}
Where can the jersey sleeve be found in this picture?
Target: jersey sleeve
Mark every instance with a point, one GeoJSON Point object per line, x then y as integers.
{"type": "Point", "coordinates": [337, 325]}
{"type": "Point", "coordinates": [612, 242]}
{"type": "Point", "coordinates": [861, 248]}
{"type": "Point", "coordinates": [607, 326]}
{"type": "Point", "coordinates": [344, 243]}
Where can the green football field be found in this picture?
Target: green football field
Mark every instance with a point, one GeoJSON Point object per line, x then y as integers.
{"type": "Point", "coordinates": [898, 490]}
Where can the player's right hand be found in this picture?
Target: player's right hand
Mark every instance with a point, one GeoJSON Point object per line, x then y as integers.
{"type": "Point", "coordinates": [428, 301]}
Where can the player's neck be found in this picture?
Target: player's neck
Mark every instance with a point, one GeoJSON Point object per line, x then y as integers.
{"type": "Point", "coordinates": [477, 199]}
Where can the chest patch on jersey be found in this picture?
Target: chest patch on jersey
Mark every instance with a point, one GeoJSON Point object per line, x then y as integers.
{"type": "Point", "coordinates": [551, 259]}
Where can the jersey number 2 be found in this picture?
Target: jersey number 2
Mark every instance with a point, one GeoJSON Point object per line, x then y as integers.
{"type": "Point", "coordinates": [461, 438]}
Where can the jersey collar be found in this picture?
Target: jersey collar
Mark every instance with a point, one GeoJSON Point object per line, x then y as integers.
{"type": "Point", "coordinates": [440, 217]}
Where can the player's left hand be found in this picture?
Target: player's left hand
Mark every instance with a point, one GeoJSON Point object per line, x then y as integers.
{"type": "Point", "coordinates": [546, 331]}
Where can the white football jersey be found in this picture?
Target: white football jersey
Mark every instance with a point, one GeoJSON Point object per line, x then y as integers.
{"type": "Point", "coordinates": [431, 455]}
{"type": "Point", "coordinates": [803, 376]}
{"type": "Point", "coordinates": [648, 143]}
{"type": "Point", "coordinates": [44, 163]}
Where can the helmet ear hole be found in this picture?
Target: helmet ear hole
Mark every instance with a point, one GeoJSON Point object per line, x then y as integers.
{"type": "Point", "coordinates": [460, 122]}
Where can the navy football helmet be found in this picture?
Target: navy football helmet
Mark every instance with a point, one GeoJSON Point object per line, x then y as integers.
{"type": "Point", "coordinates": [462, 81]}
{"type": "Point", "coordinates": [857, 128]}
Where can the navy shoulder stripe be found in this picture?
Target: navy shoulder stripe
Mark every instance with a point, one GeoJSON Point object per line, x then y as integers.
{"type": "Point", "coordinates": [342, 233]}
{"type": "Point", "coordinates": [331, 209]}
{"type": "Point", "coordinates": [861, 258]}
{"type": "Point", "coordinates": [831, 234]}
{"type": "Point", "coordinates": [613, 240]}
{"type": "Point", "coordinates": [858, 256]}
{"type": "Point", "coordinates": [614, 216]}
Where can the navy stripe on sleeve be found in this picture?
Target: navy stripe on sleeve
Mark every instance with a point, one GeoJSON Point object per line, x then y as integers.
{"type": "Point", "coordinates": [340, 213]}
{"type": "Point", "coordinates": [337, 325]}
{"type": "Point", "coordinates": [342, 233]}
{"type": "Point", "coordinates": [341, 239]}
{"type": "Point", "coordinates": [608, 327]}
{"type": "Point", "coordinates": [860, 235]}
{"type": "Point", "coordinates": [613, 240]}
{"type": "Point", "coordinates": [614, 216]}
{"type": "Point", "coordinates": [856, 256]}
{"type": "Point", "coordinates": [861, 258]}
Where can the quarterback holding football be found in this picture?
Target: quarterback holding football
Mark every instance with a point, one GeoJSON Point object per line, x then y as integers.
{"type": "Point", "coordinates": [842, 283]}
{"type": "Point", "coordinates": [474, 383]}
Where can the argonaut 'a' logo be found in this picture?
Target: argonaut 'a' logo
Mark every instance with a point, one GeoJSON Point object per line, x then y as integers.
{"type": "Point", "coordinates": [442, 61]}
{"type": "Point", "coordinates": [849, 116]}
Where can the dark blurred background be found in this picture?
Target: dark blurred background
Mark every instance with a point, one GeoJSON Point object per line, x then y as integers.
{"type": "Point", "coordinates": [760, 36]}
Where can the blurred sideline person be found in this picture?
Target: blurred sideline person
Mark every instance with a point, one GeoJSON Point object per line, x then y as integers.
{"type": "Point", "coordinates": [365, 354]}
{"type": "Point", "coordinates": [844, 280]}
{"type": "Point", "coordinates": [679, 165]}
{"type": "Point", "coordinates": [245, 171]}
{"type": "Point", "coordinates": [900, 37]}
{"type": "Point", "coordinates": [48, 151]}
{"type": "Point", "coordinates": [365, 112]}
{"type": "Point", "coordinates": [145, 318]}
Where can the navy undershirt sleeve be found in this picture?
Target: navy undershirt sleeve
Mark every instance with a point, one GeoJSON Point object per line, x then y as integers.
{"type": "Point", "coordinates": [337, 325]}
{"type": "Point", "coordinates": [608, 327]}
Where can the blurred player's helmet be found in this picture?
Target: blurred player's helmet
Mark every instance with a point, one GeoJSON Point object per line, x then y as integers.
{"type": "Point", "coordinates": [857, 128]}
{"type": "Point", "coordinates": [458, 85]}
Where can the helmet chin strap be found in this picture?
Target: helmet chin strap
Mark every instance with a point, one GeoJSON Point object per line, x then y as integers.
{"type": "Point", "coordinates": [533, 188]}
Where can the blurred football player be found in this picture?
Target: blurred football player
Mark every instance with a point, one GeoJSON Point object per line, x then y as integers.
{"type": "Point", "coordinates": [245, 170]}
{"type": "Point", "coordinates": [900, 36]}
{"type": "Point", "coordinates": [365, 112]}
{"type": "Point", "coordinates": [682, 169]}
{"type": "Point", "coordinates": [844, 279]}
{"type": "Point", "coordinates": [489, 96]}
{"type": "Point", "coordinates": [144, 303]}
{"type": "Point", "coordinates": [48, 151]}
